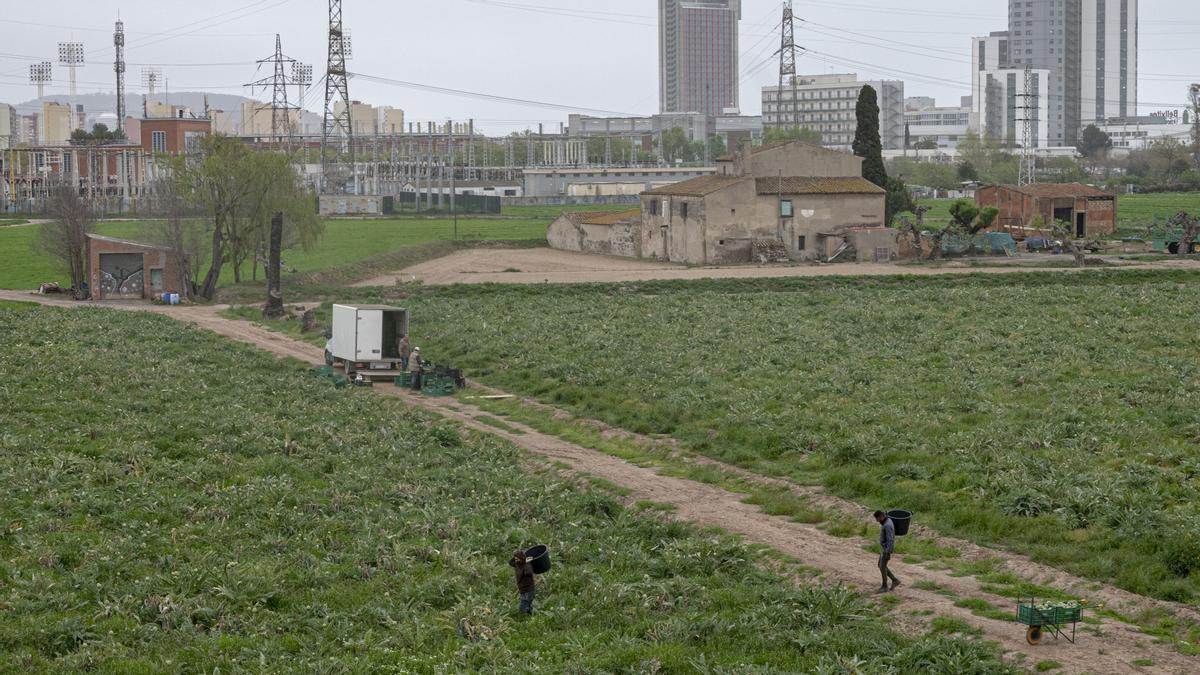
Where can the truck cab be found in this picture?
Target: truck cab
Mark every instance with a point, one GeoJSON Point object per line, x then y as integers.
{"type": "Point", "coordinates": [366, 339]}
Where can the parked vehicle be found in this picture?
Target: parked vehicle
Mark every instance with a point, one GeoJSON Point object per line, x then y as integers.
{"type": "Point", "coordinates": [366, 339]}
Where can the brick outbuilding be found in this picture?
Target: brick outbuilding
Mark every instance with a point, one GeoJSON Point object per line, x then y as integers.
{"type": "Point", "coordinates": [124, 270]}
{"type": "Point", "coordinates": [1090, 211]}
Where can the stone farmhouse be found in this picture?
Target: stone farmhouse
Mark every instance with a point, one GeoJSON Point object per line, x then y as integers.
{"type": "Point", "coordinates": [785, 201]}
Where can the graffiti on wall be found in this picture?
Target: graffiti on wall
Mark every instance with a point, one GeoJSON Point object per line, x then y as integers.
{"type": "Point", "coordinates": [121, 275]}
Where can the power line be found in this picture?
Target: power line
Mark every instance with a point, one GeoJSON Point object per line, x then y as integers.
{"type": "Point", "coordinates": [488, 97]}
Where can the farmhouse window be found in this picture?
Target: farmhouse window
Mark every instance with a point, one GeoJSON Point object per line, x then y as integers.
{"type": "Point", "coordinates": [785, 208]}
{"type": "Point", "coordinates": [802, 243]}
{"type": "Point", "coordinates": [683, 210]}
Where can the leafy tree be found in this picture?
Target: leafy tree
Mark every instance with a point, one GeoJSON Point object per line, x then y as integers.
{"type": "Point", "coordinates": [967, 172]}
{"type": "Point", "coordinates": [962, 214]}
{"type": "Point", "coordinates": [64, 237]}
{"type": "Point", "coordinates": [240, 188]}
{"type": "Point", "coordinates": [717, 147]}
{"type": "Point", "coordinates": [867, 143]}
{"type": "Point", "coordinates": [899, 200]}
{"type": "Point", "coordinates": [676, 146]}
{"type": "Point", "coordinates": [967, 218]}
{"type": "Point", "coordinates": [99, 135]}
{"type": "Point", "coordinates": [803, 134]}
{"type": "Point", "coordinates": [927, 144]}
{"type": "Point", "coordinates": [1094, 143]}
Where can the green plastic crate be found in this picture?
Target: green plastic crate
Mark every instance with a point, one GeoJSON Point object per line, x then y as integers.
{"type": "Point", "coordinates": [1055, 616]}
{"type": "Point", "coordinates": [437, 386]}
{"type": "Point", "coordinates": [404, 380]}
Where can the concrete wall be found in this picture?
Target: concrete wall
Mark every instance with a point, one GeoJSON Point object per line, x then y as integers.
{"type": "Point", "coordinates": [793, 159]}
{"type": "Point", "coordinates": [350, 205]}
{"type": "Point", "coordinates": [622, 239]}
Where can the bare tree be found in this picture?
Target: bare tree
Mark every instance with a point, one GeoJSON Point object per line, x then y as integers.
{"type": "Point", "coordinates": [1191, 231]}
{"type": "Point", "coordinates": [182, 237]}
{"type": "Point", "coordinates": [65, 237]}
{"type": "Point", "coordinates": [1078, 248]}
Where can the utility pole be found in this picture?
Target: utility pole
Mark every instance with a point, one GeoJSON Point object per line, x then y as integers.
{"type": "Point", "coordinates": [281, 112]}
{"type": "Point", "coordinates": [40, 74]}
{"type": "Point", "coordinates": [70, 54]}
{"type": "Point", "coordinates": [1028, 118]}
{"type": "Point", "coordinates": [787, 60]}
{"type": "Point", "coordinates": [337, 89]}
{"type": "Point", "coordinates": [119, 67]}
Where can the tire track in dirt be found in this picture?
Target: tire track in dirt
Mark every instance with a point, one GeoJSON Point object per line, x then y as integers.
{"type": "Point", "coordinates": [844, 561]}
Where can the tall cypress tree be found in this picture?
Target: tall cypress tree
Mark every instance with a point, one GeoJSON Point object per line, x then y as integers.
{"type": "Point", "coordinates": [867, 143]}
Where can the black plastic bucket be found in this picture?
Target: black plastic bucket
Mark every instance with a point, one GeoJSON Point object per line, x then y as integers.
{"type": "Point", "coordinates": [901, 519]}
{"type": "Point", "coordinates": [539, 557]}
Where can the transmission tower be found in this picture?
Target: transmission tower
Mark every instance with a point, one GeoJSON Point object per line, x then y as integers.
{"type": "Point", "coordinates": [150, 79]}
{"type": "Point", "coordinates": [278, 81]}
{"type": "Point", "coordinates": [337, 89]}
{"type": "Point", "coordinates": [40, 74]}
{"type": "Point", "coordinates": [119, 67]}
{"type": "Point", "coordinates": [787, 58]}
{"type": "Point", "coordinates": [70, 54]}
{"type": "Point", "coordinates": [1028, 110]}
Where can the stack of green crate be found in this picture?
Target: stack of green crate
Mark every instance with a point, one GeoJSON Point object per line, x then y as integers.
{"type": "Point", "coordinates": [437, 386]}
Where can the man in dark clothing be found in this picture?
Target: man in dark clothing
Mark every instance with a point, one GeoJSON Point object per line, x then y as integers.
{"type": "Point", "coordinates": [887, 544]}
{"type": "Point", "coordinates": [525, 583]}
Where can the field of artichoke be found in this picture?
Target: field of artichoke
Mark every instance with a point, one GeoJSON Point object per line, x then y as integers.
{"type": "Point", "coordinates": [176, 503]}
{"type": "Point", "coordinates": [1056, 415]}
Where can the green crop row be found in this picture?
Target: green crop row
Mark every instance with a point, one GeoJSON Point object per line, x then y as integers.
{"type": "Point", "coordinates": [175, 503]}
{"type": "Point", "coordinates": [1052, 414]}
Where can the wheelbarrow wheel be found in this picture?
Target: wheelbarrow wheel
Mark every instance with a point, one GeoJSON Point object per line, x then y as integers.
{"type": "Point", "coordinates": [1034, 635]}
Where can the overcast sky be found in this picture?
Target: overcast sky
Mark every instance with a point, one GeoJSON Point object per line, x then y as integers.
{"type": "Point", "coordinates": [594, 55]}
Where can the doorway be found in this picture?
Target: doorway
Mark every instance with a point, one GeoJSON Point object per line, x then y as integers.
{"type": "Point", "coordinates": [121, 276]}
{"type": "Point", "coordinates": [1081, 225]}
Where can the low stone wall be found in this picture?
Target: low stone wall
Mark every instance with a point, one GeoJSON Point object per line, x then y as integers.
{"type": "Point", "coordinates": [570, 201]}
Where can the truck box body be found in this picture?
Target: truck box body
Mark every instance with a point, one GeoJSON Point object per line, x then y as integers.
{"type": "Point", "coordinates": [366, 337]}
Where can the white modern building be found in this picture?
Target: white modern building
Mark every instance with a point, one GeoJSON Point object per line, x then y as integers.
{"type": "Point", "coordinates": [930, 125]}
{"type": "Point", "coordinates": [1138, 133]}
{"type": "Point", "coordinates": [1004, 107]}
{"type": "Point", "coordinates": [826, 103]}
{"type": "Point", "coordinates": [1083, 52]}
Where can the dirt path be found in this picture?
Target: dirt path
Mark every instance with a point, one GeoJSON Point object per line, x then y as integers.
{"type": "Point", "coordinates": [840, 560]}
{"type": "Point", "coordinates": [543, 265]}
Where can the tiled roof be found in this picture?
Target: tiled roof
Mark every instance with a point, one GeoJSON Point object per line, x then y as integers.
{"type": "Point", "coordinates": [605, 217]}
{"type": "Point", "coordinates": [1060, 190]}
{"type": "Point", "coordinates": [698, 187]}
{"type": "Point", "coordinates": [126, 242]}
{"type": "Point", "coordinates": [801, 185]}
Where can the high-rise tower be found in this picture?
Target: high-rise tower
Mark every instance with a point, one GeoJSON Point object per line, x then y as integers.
{"type": "Point", "coordinates": [1108, 60]}
{"type": "Point", "coordinates": [698, 55]}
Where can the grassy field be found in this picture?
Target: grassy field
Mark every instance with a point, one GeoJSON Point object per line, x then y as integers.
{"type": "Point", "coordinates": [1054, 415]}
{"type": "Point", "coordinates": [552, 212]}
{"type": "Point", "coordinates": [345, 242]}
{"type": "Point", "coordinates": [177, 503]}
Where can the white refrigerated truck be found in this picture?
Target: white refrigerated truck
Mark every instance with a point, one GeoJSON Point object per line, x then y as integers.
{"type": "Point", "coordinates": [366, 339]}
